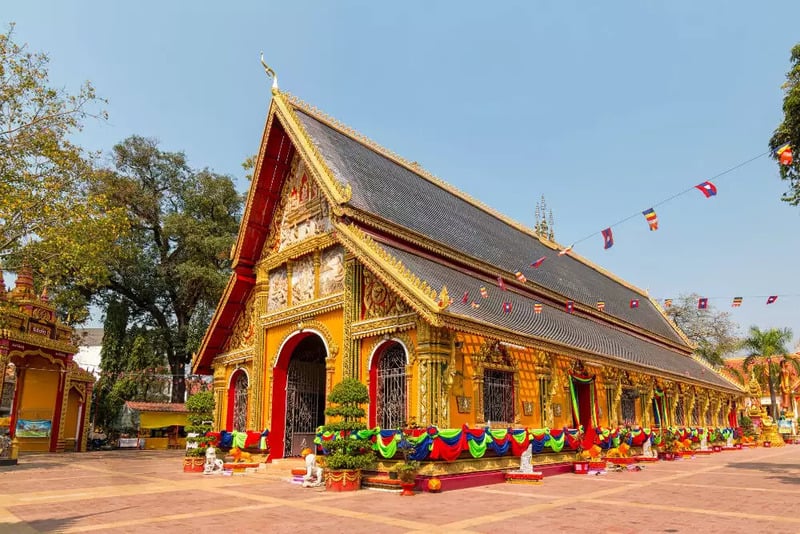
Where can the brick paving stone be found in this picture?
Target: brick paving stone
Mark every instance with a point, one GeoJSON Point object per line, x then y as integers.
{"type": "Point", "coordinates": [141, 491]}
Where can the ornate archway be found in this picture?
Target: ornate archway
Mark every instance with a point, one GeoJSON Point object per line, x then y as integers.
{"type": "Point", "coordinates": [388, 387]}
{"type": "Point", "coordinates": [237, 401]}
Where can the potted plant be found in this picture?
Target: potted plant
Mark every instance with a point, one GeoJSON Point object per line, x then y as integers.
{"type": "Point", "coordinates": [407, 468]}
{"type": "Point", "coordinates": [201, 414]}
{"type": "Point", "coordinates": [667, 445]}
{"type": "Point", "coordinates": [347, 454]}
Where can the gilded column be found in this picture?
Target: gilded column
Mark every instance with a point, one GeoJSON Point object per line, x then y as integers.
{"type": "Point", "coordinates": [4, 359]}
{"type": "Point", "coordinates": [219, 395]}
{"type": "Point", "coordinates": [87, 403]}
{"type": "Point", "coordinates": [258, 400]}
{"type": "Point", "coordinates": [433, 353]}
{"type": "Point", "coordinates": [352, 306]}
{"type": "Point", "coordinates": [647, 393]}
{"type": "Point", "coordinates": [317, 259]}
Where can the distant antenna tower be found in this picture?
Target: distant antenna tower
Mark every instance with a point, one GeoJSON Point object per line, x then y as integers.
{"type": "Point", "coordinates": [544, 227]}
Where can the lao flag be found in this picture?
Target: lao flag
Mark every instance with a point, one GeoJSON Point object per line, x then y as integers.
{"type": "Point", "coordinates": [569, 306]}
{"type": "Point", "coordinates": [707, 188]}
{"type": "Point", "coordinates": [506, 307]}
{"type": "Point", "coordinates": [538, 263]}
{"type": "Point", "coordinates": [465, 298]}
{"type": "Point", "coordinates": [772, 298]}
{"type": "Point", "coordinates": [608, 238]}
{"type": "Point", "coordinates": [634, 303]}
{"type": "Point", "coordinates": [702, 304]}
{"type": "Point", "coordinates": [501, 283]}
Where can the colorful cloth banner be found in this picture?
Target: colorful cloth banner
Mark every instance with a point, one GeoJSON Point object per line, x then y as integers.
{"type": "Point", "coordinates": [484, 293]}
{"type": "Point", "coordinates": [651, 218]}
{"type": "Point", "coordinates": [667, 303]}
{"type": "Point", "coordinates": [784, 153]}
{"type": "Point", "coordinates": [601, 305]}
{"type": "Point", "coordinates": [538, 263]}
{"type": "Point", "coordinates": [608, 238]}
{"type": "Point", "coordinates": [702, 304]}
{"type": "Point", "coordinates": [537, 308]}
{"type": "Point", "coordinates": [465, 298]}
{"type": "Point", "coordinates": [475, 305]}
{"type": "Point", "coordinates": [707, 188]}
{"type": "Point", "coordinates": [566, 250]}
{"type": "Point", "coordinates": [772, 298]}
{"type": "Point", "coordinates": [737, 301]}
{"type": "Point", "coordinates": [634, 303]}
{"type": "Point", "coordinates": [569, 306]}
{"type": "Point", "coordinates": [520, 277]}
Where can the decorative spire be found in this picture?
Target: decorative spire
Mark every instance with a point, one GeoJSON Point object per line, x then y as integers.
{"type": "Point", "coordinates": [43, 297]}
{"type": "Point", "coordinates": [3, 296]}
{"type": "Point", "coordinates": [23, 290]}
{"type": "Point", "coordinates": [545, 226]}
{"type": "Point", "coordinates": [270, 74]}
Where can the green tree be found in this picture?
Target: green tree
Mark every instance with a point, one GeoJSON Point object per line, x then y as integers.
{"type": "Point", "coordinates": [788, 131]}
{"type": "Point", "coordinates": [348, 451]}
{"type": "Point", "coordinates": [172, 265]}
{"type": "Point", "coordinates": [713, 331]}
{"type": "Point", "coordinates": [47, 205]}
{"type": "Point", "coordinates": [766, 349]}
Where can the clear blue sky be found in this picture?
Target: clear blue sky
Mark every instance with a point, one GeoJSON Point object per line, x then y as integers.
{"type": "Point", "coordinates": [605, 108]}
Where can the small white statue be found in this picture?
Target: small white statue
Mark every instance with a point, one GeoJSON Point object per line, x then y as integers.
{"type": "Point", "coordinates": [704, 441]}
{"type": "Point", "coordinates": [729, 441]}
{"type": "Point", "coordinates": [525, 464]}
{"type": "Point", "coordinates": [647, 450]}
{"type": "Point", "coordinates": [212, 465]}
{"type": "Point", "coordinates": [313, 477]}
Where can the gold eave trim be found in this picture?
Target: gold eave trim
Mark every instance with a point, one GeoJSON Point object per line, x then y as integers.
{"type": "Point", "coordinates": [39, 342]}
{"type": "Point", "coordinates": [383, 325]}
{"type": "Point", "coordinates": [319, 242]}
{"type": "Point", "coordinates": [302, 311]}
{"type": "Point", "coordinates": [391, 271]}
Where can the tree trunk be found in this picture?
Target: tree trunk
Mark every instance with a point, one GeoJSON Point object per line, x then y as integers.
{"type": "Point", "coordinates": [772, 396]}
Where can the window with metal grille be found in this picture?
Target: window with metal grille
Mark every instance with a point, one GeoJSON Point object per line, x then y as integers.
{"type": "Point", "coordinates": [696, 413]}
{"type": "Point", "coordinates": [240, 402]}
{"type": "Point", "coordinates": [498, 396]}
{"type": "Point", "coordinates": [680, 419]}
{"type": "Point", "coordinates": [391, 390]}
{"type": "Point", "coordinates": [628, 406]}
{"type": "Point", "coordinates": [544, 388]}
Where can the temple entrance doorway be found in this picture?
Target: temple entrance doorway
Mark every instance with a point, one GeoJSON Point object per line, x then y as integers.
{"type": "Point", "coordinates": [584, 406]}
{"type": "Point", "coordinates": [387, 386]}
{"type": "Point", "coordinates": [298, 406]}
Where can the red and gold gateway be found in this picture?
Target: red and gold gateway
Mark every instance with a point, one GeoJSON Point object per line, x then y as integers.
{"type": "Point", "coordinates": [353, 262]}
{"type": "Point", "coordinates": [44, 395]}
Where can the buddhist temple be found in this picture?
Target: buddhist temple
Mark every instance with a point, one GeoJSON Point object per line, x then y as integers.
{"type": "Point", "coordinates": [44, 395]}
{"type": "Point", "coordinates": [354, 262]}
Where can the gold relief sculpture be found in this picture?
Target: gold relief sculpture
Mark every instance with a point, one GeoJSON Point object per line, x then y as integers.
{"type": "Point", "coordinates": [244, 328]}
{"type": "Point", "coordinates": [331, 272]}
{"type": "Point", "coordinates": [278, 290]}
{"type": "Point", "coordinates": [377, 300]}
{"type": "Point", "coordinates": [302, 280]}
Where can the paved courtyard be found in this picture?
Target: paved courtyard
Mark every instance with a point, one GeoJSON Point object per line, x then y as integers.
{"type": "Point", "coordinates": [140, 491]}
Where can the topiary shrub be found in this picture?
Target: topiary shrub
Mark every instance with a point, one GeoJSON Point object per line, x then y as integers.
{"type": "Point", "coordinates": [347, 450]}
{"type": "Point", "coordinates": [201, 417]}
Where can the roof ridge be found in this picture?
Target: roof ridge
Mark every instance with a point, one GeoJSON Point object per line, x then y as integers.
{"type": "Point", "coordinates": [420, 171]}
{"type": "Point", "coordinates": [705, 363]}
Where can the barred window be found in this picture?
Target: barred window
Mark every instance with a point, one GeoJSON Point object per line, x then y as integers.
{"type": "Point", "coordinates": [498, 396]}
{"type": "Point", "coordinates": [628, 406]}
{"type": "Point", "coordinates": [680, 419]}
{"type": "Point", "coordinates": [544, 387]}
{"type": "Point", "coordinates": [392, 387]}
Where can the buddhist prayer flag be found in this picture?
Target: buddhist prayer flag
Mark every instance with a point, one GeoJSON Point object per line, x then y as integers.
{"type": "Point", "coordinates": [537, 308]}
{"type": "Point", "coordinates": [667, 303]}
{"type": "Point", "coordinates": [707, 188]}
{"type": "Point", "coordinates": [634, 303]}
{"type": "Point", "coordinates": [784, 153]}
{"type": "Point", "coordinates": [475, 305]}
{"type": "Point", "coordinates": [772, 298]}
{"type": "Point", "coordinates": [566, 250]}
{"type": "Point", "coordinates": [501, 283]}
{"type": "Point", "coordinates": [538, 263]}
{"type": "Point", "coordinates": [484, 293]}
{"type": "Point", "coordinates": [608, 238]}
{"type": "Point", "coordinates": [465, 298]}
{"type": "Point", "coordinates": [737, 301]}
{"type": "Point", "coordinates": [520, 277]}
{"type": "Point", "coordinates": [506, 307]}
{"type": "Point", "coordinates": [601, 305]}
{"type": "Point", "coordinates": [702, 304]}
{"type": "Point", "coordinates": [570, 306]}
{"type": "Point", "coordinates": [651, 218]}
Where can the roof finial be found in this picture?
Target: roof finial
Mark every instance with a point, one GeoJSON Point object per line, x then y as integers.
{"type": "Point", "coordinates": [270, 74]}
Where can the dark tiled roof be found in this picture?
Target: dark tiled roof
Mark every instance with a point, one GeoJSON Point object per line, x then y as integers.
{"type": "Point", "coordinates": [157, 406]}
{"type": "Point", "coordinates": [553, 323]}
{"type": "Point", "coordinates": [386, 189]}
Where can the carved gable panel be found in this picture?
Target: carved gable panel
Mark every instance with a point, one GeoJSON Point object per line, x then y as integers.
{"type": "Point", "coordinates": [302, 211]}
{"type": "Point", "coordinates": [331, 271]}
{"type": "Point", "coordinates": [302, 279]}
{"type": "Point", "coordinates": [378, 300]}
{"type": "Point", "coordinates": [278, 288]}
{"type": "Point", "coordinates": [244, 328]}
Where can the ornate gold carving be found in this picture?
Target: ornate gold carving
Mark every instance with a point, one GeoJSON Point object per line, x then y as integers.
{"type": "Point", "coordinates": [383, 325]}
{"type": "Point", "coordinates": [278, 289]}
{"type": "Point", "coordinates": [317, 327]}
{"type": "Point", "coordinates": [244, 327]}
{"type": "Point", "coordinates": [39, 341]}
{"type": "Point", "coordinates": [378, 300]}
{"type": "Point", "coordinates": [302, 280]}
{"type": "Point", "coordinates": [331, 271]}
{"type": "Point", "coordinates": [404, 339]}
{"type": "Point", "coordinates": [352, 299]}
{"type": "Point", "coordinates": [299, 313]}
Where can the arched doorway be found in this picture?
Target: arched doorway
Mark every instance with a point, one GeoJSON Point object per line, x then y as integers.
{"type": "Point", "coordinates": [237, 401]}
{"type": "Point", "coordinates": [298, 394]}
{"type": "Point", "coordinates": [73, 421]}
{"type": "Point", "coordinates": [387, 384]}
{"type": "Point", "coordinates": [583, 390]}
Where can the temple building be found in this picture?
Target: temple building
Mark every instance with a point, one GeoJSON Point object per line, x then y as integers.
{"type": "Point", "coordinates": [44, 395]}
{"type": "Point", "coordinates": [353, 262]}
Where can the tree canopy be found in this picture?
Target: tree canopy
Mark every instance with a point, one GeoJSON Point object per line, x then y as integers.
{"type": "Point", "coordinates": [788, 131]}
{"type": "Point", "coordinates": [765, 350]}
{"type": "Point", "coordinates": [713, 331]}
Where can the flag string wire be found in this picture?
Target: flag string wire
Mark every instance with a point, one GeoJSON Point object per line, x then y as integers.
{"type": "Point", "coordinates": [673, 197]}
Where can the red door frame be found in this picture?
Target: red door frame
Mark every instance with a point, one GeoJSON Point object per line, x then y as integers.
{"type": "Point", "coordinates": [232, 399]}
